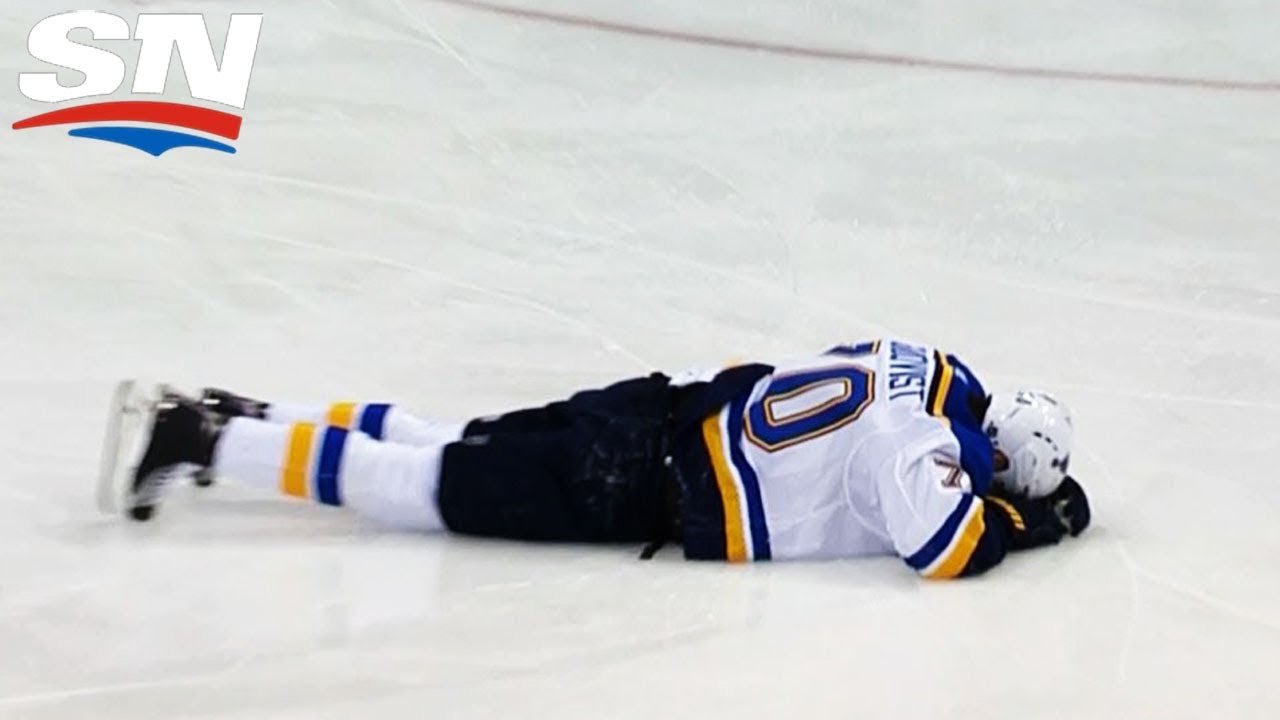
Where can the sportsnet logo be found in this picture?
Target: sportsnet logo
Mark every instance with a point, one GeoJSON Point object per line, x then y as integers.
{"type": "Point", "coordinates": [155, 127]}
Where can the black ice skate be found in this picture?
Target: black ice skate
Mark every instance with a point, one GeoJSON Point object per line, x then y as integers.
{"type": "Point", "coordinates": [165, 434]}
{"type": "Point", "coordinates": [227, 405]}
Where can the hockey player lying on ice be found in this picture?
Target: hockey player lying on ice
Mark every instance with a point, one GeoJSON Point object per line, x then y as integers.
{"type": "Point", "coordinates": [883, 447]}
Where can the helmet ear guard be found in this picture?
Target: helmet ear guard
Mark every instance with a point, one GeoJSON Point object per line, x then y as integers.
{"type": "Point", "coordinates": [1034, 431]}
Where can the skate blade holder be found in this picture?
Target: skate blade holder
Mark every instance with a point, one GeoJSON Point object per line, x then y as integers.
{"type": "Point", "coordinates": [132, 410]}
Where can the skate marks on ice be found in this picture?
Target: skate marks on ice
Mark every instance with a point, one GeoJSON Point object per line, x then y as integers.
{"type": "Point", "coordinates": [1141, 579]}
{"type": "Point", "coordinates": [627, 240]}
{"type": "Point", "coordinates": [606, 341]}
{"type": "Point", "coordinates": [522, 626]}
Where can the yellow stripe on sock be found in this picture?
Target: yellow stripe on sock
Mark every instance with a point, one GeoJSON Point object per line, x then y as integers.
{"type": "Point", "coordinates": [342, 415]}
{"type": "Point", "coordinates": [962, 548]}
{"type": "Point", "coordinates": [734, 540]}
{"type": "Point", "coordinates": [297, 461]}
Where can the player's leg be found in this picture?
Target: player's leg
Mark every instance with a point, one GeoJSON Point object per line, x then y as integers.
{"type": "Point", "coordinates": [602, 477]}
{"type": "Point", "coordinates": [590, 468]}
{"type": "Point", "coordinates": [391, 483]}
{"type": "Point", "coordinates": [380, 421]}
{"type": "Point", "coordinates": [637, 396]}
{"type": "Point", "coordinates": [583, 483]}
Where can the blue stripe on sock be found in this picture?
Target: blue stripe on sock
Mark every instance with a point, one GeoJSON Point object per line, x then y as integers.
{"type": "Point", "coordinates": [373, 419]}
{"type": "Point", "coordinates": [327, 490]}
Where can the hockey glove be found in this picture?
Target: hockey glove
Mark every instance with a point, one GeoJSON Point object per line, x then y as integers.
{"type": "Point", "coordinates": [1071, 506]}
{"type": "Point", "coordinates": [1032, 522]}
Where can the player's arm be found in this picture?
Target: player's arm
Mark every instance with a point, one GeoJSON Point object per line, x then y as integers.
{"type": "Point", "coordinates": [1025, 523]}
{"type": "Point", "coordinates": [943, 530]}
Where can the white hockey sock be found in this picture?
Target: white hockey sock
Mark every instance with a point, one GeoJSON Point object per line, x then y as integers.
{"type": "Point", "coordinates": [391, 483]}
{"type": "Point", "coordinates": [379, 421]}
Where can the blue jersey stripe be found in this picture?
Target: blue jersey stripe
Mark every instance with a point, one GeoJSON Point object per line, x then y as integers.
{"type": "Point", "coordinates": [750, 483]}
{"type": "Point", "coordinates": [941, 539]}
{"type": "Point", "coordinates": [856, 351]}
{"type": "Point", "coordinates": [961, 399]}
{"type": "Point", "coordinates": [327, 490]}
{"type": "Point", "coordinates": [374, 419]}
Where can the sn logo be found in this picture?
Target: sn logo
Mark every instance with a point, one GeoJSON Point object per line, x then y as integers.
{"type": "Point", "coordinates": [225, 83]}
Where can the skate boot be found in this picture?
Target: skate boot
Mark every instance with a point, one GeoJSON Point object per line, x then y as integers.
{"type": "Point", "coordinates": [229, 405]}
{"type": "Point", "coordinates": [226, 405]}
{"type": "Point", "coordinates": [180, 438]}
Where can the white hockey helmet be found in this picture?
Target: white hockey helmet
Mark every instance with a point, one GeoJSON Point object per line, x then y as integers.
{"type": "Point", "coordinates": [1033, 430]}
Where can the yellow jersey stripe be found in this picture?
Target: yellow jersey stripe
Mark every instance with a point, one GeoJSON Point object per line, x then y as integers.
{"type": "Point", "coordinates": [297, 461]}
{"type": "Point", "coordinates": [734, 538]}
{"type": "Point", "coordinates": [342, 415]}
{"type": "Point", "coordinates": [957, 556]}
{"type": "Point", "coordinates": [944, 384]}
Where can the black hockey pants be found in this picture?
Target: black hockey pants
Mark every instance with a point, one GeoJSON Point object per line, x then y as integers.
{"type": "Point", "coordinates": [587, 469]}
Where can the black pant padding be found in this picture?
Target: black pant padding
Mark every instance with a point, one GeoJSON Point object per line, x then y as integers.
{"type": "Point", "coordinates": [587, 469]}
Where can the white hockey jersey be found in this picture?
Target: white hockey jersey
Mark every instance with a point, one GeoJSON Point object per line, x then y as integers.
{"type": "Point", "coordinates": [845, 454]}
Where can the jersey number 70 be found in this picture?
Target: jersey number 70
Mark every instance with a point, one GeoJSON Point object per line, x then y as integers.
{"type": "Point", "coordinates": [804, 405]}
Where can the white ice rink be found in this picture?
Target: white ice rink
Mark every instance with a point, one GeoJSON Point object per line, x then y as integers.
{"type": "Point", "coordinates": [465, 211]}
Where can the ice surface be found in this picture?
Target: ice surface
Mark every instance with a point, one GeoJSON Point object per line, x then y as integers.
{"type": "Point", "coordinates": [466, 211]}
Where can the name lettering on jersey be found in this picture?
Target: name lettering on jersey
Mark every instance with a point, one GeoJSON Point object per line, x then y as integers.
{"type": "Point", "coordinates": [908, 371]}
{"type": "Point", "coordinates": [155, 127]}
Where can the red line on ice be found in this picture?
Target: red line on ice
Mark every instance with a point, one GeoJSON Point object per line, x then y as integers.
{"type": "Point", "coordinates": [862, 57]}
{"type": "Point", "coordinates": [213, 122]}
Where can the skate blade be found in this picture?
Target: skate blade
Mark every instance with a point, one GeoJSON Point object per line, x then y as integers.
{"type": "Point", "coordinates": [133, 408]}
